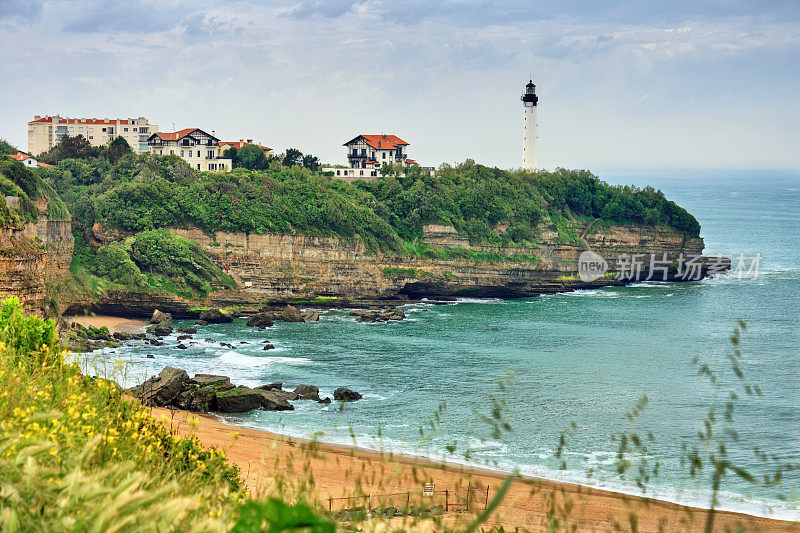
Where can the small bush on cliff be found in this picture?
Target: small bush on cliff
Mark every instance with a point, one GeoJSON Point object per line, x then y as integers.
{"type": "Point", "coordinates": [114, 263]}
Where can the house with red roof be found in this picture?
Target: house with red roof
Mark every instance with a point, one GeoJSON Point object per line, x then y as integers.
{"type": "Point", "coordinates": [46, 132]}
{"type": "Point", "coordinates": [27, 160]}
{"type": "Point", "coordinates": [195, 146]}
{"type": "Point", "coordinates": [366, 154]}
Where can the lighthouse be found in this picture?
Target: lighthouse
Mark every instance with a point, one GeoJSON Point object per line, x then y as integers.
{"type": "Point", "coordinates": [529, 101]}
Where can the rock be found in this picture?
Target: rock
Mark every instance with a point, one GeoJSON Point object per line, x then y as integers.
{"type": "Point", "coordinates": [291, 314]}
{"type": "Point", "coordinates": [210, 380]}
{"type": "Point", "coordinates": [346, 395]}
{"type": "Point", "coordinates": [261, 320]}
{"type": "Point", "coordinates": [268, 347]}
{"type": "Point", "coordinates": [161, 390]}
{"type": "Point", "coordinates": [326, 399]}
{"type": "Point", "coordinates": [187, 329]}
{"type": "Point", "coordinates": [201, 399]}
{"type": "Point", "coordinates": [274, 401]}
{"type": "Point", "coordinates": [200, 323]}
{"type": "Point", "coordinates": [271, 386]}
{"type": "Point", "coordinates": [159, 317]}
{"type": "Point", "coordinates": [238, 400]}
{"type": "Point", "coordinates": [243, 342]}
{"type": "Point", "coordinates": [121, 336]}
{"type": "Point", "coordinates": [307, 392]}
{"type": "Point", "coordinates": [215, 316]}
{"type": "Point", "coordinates": [184, 337]}
{"type": "Point", "coordinates": [310, 315]}
{"type": "Point", "coordinates": [286, 395]}
{"type": "Point", "coordinates": [265, 341]}
{"type": "Point", "coordinates": [151, 356]}
{"type": "Point", "coordinates": [364, 315]}
{"type": "Point", "coordinates": [181, 346]}
{"type": "Point", "coordinates": [155, 342]}
{"type": "Point", "coordinates": [161, 328]}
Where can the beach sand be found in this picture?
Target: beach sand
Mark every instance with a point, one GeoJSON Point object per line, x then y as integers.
{"type": "Point", "coordinates": [113, 323]}
{"type": "Point", "coordinates": [270, 463]}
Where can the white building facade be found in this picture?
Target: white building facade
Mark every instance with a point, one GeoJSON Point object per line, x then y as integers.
{"type": "Point", "coordinates": [366, 154]}
{"type": "Point", "coordinates": [529, 101]}
{"type": "Point", "coordinates": [196, 147]}
{"type": "Point", "coordinates": [46, 132]}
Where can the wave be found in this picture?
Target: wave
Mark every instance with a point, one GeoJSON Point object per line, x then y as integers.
{"type": "Point", "coordinates": [235, 358]}
{"type": "Point", "coordinates": [490, 301]}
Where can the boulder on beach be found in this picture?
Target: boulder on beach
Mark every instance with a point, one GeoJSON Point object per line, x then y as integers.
{"type": "Point", "coordinates": [238, 400]}
{"type": "Point", "coordinates": [161, 390]}
{"type": "Point", "coordinates": [274, 401]}
{"type": "Point", "coordinates": [212, 380]}
{"type": "Point", "coordinates": [159, 316]}
{"type": "Point", "coordinates": [215, 316]}
{"type": "Point", "coordinates": [307, 392]}
{"type": "Point", "coordinates": [343, 394]}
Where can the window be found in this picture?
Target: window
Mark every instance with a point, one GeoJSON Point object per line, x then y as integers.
{"type": "Point", "coordinates": [91, 137]}
{"type": "Point", "coordinates": [134, 129]}
{"type": "Point", "coordinates": [362, 172]}
{"type": "Point", "coordinates": [198, 166]}
{"type": "Point", "coordinates": [384, 155]}
{"type": "Point", "coordinates": [126, 129]}
{"type": "Point", "coordinates": [363, 151]}
{"type": "Point", "coordinates": [172, 152]}
{"type": "Point", "coordinates": [211, 154]}
{"type": "Point", "coordinates": [104, 129]}
{"type": "Point", "coordinates": [338, 173]}
{"type": "Point", "coordinates": [198, 155]}
{"type": "Point", "coordinates": [181, 153]}
{"type": "Point", "coordinates": [161, 152]}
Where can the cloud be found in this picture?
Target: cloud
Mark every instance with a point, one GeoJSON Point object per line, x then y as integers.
{"type": "Point", "coordinates": [22, 9]}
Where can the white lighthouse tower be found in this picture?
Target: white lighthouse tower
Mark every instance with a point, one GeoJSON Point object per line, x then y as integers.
{"type": "Point", "coordinates": [529, 101]}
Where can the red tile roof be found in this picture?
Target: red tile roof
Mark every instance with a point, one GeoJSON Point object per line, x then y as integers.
{"type": "Point", "coordinates": [94, 121]}
{"type": "Point", "coordinates": [411, 162]}
{"type": "Point", "coordinates": [18, 157]}
{"type": "Point", "coordinates": [176, 135]}
{"type": "Point", "coordinates": [382, 142]}
{"type": "Point", "coordinates": [239, 144]}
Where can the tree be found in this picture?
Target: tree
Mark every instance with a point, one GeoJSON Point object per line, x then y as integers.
{"type": "Point", "coordinates": [77, 147]}
{"type": "Point", "coordinates": [293, 157]}
{"type": "Point", "coordinates": [117, 149]}
{"type": "Point", "coordinates": [311, 162]}
{"type": "Point", "coordinates": [251, 157]}
{"type": "Point", "coordinates": [233, 154]}
{"type": "Point", "coordinates": [6, 148]}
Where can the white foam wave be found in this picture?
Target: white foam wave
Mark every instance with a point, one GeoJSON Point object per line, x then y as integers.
{"type": "Point", "coordinates": [491, 301]}
{"type": "Point", "coordinates": [233, 357]}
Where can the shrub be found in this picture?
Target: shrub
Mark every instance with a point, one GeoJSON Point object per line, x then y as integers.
{"type": "Point", "coordinates": [114, 263]}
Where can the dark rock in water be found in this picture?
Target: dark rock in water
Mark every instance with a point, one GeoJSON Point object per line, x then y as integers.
{"type": "Point", "coordinates": [243, 342]}
{"type": "Point", "coordinates": [265, 341]}
{"type": "Point", "coordinates": [161, 329]}
{"type": "Point", "coordinates": [268, 347]}
{"type": "Point", "coordinates": [200, 323]}
{"type": "Point", "coordinates": [291, 314]}
{"type": "Point", "coordinates": [326, 399]}
{"type": "Point", "coordinates": [122, 336]}
{"type": "Point", "coordinates": [187, 329]}
{"type": "Point", "coordinates": [151, 356]}
{"type": "Point", "coordinates": [155, 342]}
{"type": "Point", "coordinates": [274, 401]}
{"type": "Point", "coordinates": [184, 337]}
{"type": "Point", "coordinates": [209, 340]}
{"type": "Point", "coordinates": [363, 315]}
{"type": "Point", "coordinates": [215, 316]}
{"type": "Point", "coordinates": [307, 392]}
{"type": "Point", "coordinates": [346, 395]}
{"type": "Point", "coordinates": [181, 346]}
{"type": "Point", "coordinates": [310, 315]}
{"type": "Point", "coordinates": [271, 386]}
{"type": "Point", "coordinates": [286, 395]}
{"type": "Point", "coordinates": [238, 400]}
{"type": "Point", "coordinates": [226, 344]}
{"type": "Point", "coordinates": [261, 320]}
{"type": "Point", "coordinates": [161, 390]}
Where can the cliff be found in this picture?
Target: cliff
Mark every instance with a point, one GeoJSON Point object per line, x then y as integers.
{"type": "Point", "coordinates": [33, 255]}
{"type": "Point", "coordinates": [298, 267]}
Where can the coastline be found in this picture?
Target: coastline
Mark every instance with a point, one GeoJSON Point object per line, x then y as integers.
{"type": "Point", "coordinates": [322, 471]}
{"type": "Point", "coordinates": [115, 324]}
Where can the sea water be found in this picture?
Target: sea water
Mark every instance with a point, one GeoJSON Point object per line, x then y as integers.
{"type": "Point", "coordinates": [572, 364]}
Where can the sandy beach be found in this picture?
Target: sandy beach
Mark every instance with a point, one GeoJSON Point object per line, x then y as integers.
{"type": "Point", "coordinates": [113, 323]}
{"type": "Point", "coordinates": [324, 472]}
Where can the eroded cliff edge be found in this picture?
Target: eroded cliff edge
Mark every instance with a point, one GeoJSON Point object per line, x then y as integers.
{"type": "Point", "coordinates": [312, 270]}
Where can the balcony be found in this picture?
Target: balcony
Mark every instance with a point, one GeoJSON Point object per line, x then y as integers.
{"type": "Point", "coordinates": [357, 156]}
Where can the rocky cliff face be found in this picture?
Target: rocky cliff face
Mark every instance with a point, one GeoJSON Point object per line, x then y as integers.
{"type": "Point", "coordinates": [296, 266]}
{"type": "Point", "coordinates": [33, 256]}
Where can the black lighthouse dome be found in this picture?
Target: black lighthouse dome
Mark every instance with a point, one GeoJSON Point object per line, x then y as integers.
{"type": "Point", "coordinates": [530, 93]}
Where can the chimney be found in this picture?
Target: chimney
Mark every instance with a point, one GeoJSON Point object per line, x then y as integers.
{"type": "Point", "coordinates": [241, 141]}
{"type": "Point", "coordinates": [37, 117]}
{"type": "Point", "coordinates": [213, 133]}
{"type": "Point", "coordinates": [249, 141]}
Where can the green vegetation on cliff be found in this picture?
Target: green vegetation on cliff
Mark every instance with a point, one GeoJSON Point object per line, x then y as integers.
{"type": "Point", "coordinates": [18, 181]}
{"type": "Point", "coordinates": [146, 192]}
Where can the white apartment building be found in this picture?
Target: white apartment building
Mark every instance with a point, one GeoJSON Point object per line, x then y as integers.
{"type": "Point", "coordinates": [196, 147]}
{"type": "Point", "coordinates": [46, 132]}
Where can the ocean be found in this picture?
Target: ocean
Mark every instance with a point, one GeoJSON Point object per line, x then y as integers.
{"type": "Point", "coordinates": [497, 383]}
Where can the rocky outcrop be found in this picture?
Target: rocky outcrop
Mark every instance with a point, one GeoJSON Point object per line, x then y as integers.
{"type": "Point", "coordinates": [215, 316]}
{"type": "Point", "coordinates": [37, 254]}
{"type": "Point", "coordinates": [172, 387]}
{"type": "Point", "coordinates": [161, 323]}
{"type": "Point", "coordinates": [363, 315]}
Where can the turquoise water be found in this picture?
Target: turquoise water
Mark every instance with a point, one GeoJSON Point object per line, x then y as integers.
{"type": "Point", "coordinates": [584, 357]}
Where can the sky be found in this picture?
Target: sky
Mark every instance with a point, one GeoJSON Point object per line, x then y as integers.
{"type": "Point", "coordinates": [620, 84]}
